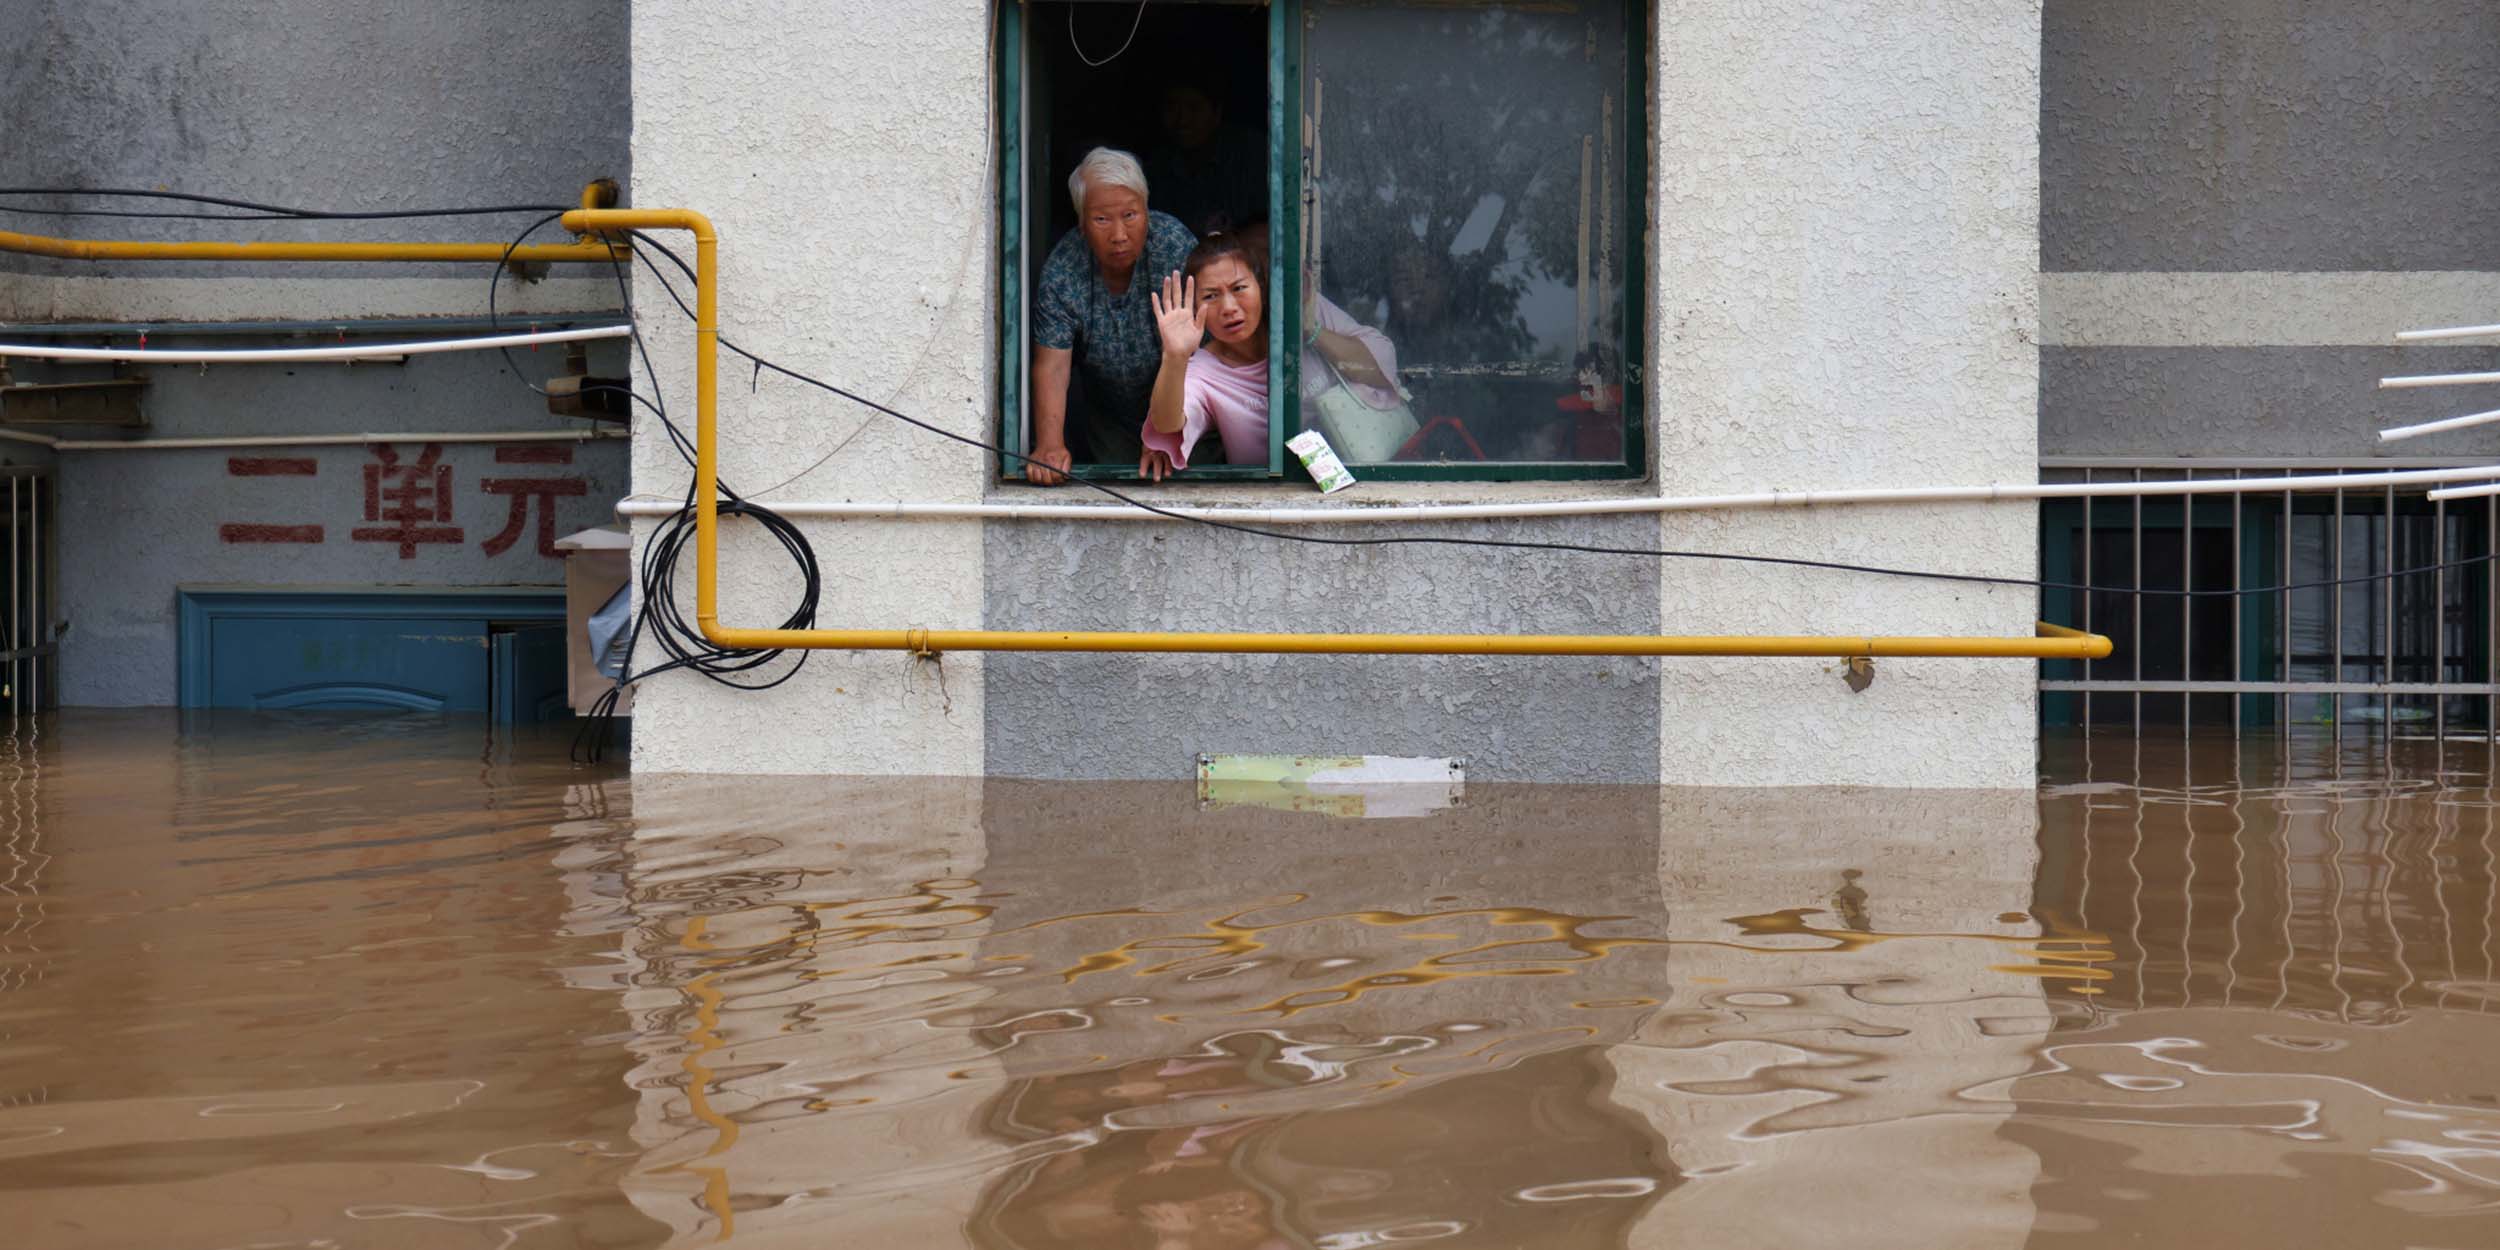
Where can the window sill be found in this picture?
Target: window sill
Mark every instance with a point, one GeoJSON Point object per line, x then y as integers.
{"type": "Point", "coordinates": [1301, 494]}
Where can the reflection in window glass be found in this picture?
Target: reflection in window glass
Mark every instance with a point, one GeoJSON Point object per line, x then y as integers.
{"type": "Point", "coordinates": [1465, 244]}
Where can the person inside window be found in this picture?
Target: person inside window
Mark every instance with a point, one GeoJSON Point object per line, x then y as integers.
{"type": "Point", "coordinates": [1218, 299]}
{"type": "Point", "coordinates": [1212, 320]}
{"type": "Point", "coordinates": [1093, 324]}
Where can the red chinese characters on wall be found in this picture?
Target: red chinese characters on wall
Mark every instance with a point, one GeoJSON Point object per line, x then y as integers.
{"type": "Point", "coordinates": [521, 490]}
{"type": "Point", "coordinates": [408, 501]}
{"type": "Point", "coordinates": [412, 500]}
{"type": "Point", "coordinates": [261, 531]}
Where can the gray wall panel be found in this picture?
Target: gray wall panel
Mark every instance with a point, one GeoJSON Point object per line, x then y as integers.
{"type": "Point", "coordinates": [1137, 717]}
{"type": "Point", "coordinates": [315, 103]}
{"type": "Point", "coordinates": [2261, 135]}
{"type": "Point", "coordinates": [2255, 401]}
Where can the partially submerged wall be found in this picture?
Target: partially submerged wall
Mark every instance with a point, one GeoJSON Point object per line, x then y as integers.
{"type": "Point", "coordinates": [135, 525]}
{"type": "Point", "coordinates": [843, 151]}
{"type": "Point", "coordinates": [1846, 296]}
{"type": "Point", "coordinates": [313, 104]}
{"type": "Point", "coordinates": [1842, 293]}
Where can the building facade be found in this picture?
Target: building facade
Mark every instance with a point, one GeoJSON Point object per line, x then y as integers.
{"type": "Point", "coordinates": [1739, 248]}
{"type": "Point", "coordinates": [1835, 286]}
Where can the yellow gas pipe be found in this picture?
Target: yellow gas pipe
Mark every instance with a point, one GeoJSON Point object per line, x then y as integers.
{"type": "Point", "coordinates": [96, 249]}
{"type": "Point", "coordinates": [589, 221]}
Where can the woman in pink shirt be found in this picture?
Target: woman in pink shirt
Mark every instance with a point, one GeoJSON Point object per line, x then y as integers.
{"type": "Point", "coordinates": [1217, 298]}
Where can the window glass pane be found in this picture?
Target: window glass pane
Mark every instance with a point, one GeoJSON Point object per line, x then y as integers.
{"type": "Point", "coordinates": [1465, 248]}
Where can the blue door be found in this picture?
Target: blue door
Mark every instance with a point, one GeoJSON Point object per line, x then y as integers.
{"type": "Point", "coordinates": [424, 664]}
{"type": "Point", "coordinates": [417, 650]}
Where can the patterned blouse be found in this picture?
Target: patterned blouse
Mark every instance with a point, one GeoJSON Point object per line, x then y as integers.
{"type": "Point", "coordinates": [1113, 336]}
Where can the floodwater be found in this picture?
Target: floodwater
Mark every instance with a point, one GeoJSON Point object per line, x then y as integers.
{"type": "Point", "coordinates": [282, 982]}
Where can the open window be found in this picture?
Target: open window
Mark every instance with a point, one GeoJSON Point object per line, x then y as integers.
{"type": "Point", "coordinates": [1452, 191]}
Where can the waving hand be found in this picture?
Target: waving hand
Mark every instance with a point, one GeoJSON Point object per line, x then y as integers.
{"type": "Point", "coordinates": [1178, 318]}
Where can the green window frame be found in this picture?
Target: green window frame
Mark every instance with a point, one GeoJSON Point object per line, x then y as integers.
{"type": "Point", "coordinates": [1289, 187]}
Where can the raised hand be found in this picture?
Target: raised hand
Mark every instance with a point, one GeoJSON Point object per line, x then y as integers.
{"type": "Point", "coordinates": [1178, 319]}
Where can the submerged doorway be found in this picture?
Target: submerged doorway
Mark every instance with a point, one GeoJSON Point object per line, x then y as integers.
{"type": "Point", "coordinates": [498, 651]}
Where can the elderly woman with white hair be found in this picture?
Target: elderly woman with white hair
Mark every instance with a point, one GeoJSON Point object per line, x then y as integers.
{"type": "Point", "coordinates": [1092, 319]}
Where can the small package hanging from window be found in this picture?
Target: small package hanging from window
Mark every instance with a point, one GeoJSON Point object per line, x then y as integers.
{"type": "Point", "coordinates": [1311, 448]}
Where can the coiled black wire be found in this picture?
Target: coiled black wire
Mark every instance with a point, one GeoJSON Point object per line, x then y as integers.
{"type": "Point", "coordinates": [658, 614]}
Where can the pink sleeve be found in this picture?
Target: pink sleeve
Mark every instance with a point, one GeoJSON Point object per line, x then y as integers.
{"type": "Point", "coordinates": [1195, 416]}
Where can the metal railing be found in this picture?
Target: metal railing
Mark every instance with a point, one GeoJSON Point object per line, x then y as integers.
{"type": "Point", "coordinates": [2392, 650]}
{"type": "Point", "coordinates": [27, 649]}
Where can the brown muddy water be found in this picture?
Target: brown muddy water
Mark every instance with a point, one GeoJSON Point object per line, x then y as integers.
{"type": "Point", "coordinates": [280, 982]}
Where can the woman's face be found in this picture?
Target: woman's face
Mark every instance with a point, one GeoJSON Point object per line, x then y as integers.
{"type": "Point", "coordinates": [1115, 227]}
{"type": "Point", "coordinates": [1229, 293]}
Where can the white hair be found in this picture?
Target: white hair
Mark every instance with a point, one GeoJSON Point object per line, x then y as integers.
{"type": "Point", "coordinates": [1105, 167]}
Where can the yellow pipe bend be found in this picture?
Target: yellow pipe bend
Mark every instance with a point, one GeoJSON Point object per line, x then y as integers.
{"type": "Point", "coordinates": [2053, 642]}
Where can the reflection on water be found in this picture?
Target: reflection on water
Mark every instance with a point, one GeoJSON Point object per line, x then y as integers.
{"type": "Point", "coordinates": [316, 981]}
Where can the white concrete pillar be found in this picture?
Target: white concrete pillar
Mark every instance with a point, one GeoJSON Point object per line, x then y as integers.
{"type": "Point", "coordinates": [1845, 293]}
{"type": "Point", "coordinates": [844, 152]}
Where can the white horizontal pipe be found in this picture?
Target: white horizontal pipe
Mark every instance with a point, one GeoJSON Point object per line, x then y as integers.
{"type": "Point", "coordinates": [2452, 332]}
{"type": "Point", "coordinates": [2436, 379]}
{"type": "Point", "coordinates": [2436, 427]}
{"type": "Point", "coordinates": [260, 355]}
{"type": "Point", "coordinates": [2467, 492]}
{"type": "Point", "coordinates": [633, 507]}
{"type": "Point", "coordinates": [302, 440]}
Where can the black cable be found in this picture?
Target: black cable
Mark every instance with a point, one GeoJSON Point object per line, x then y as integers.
{"type": "Point", "coordinates": [495, 284]}
{"type": "Point", "coordinates": [659, 616]}
{"type": "Point", "coordinates": [277, 212]}
{"type": "Point", "coordinates": [1521, 545]}
{"type": "Point", "coordinates": [680, 639]}
{"type": "Point", "coordinates": [274, 211]}
{"type": "Point", "coordinates": [157, 215]}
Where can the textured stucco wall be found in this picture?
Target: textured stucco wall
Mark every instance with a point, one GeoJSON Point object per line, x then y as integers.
{"type": "Point", "coordinates": [1844, 292]}
{"type": "Point", "coordinates": [1130, 716]}
{"type": "Point", "coordinates": [135, 525]}
{"type": "Point", "coordinates": [358, 105]}
{"type": "Point", "coordinates": [1846, 295]}
{"type": "Point", "coordinates": [2259, 135]}
{"type": "Point", "coordinates": [842, 151]}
